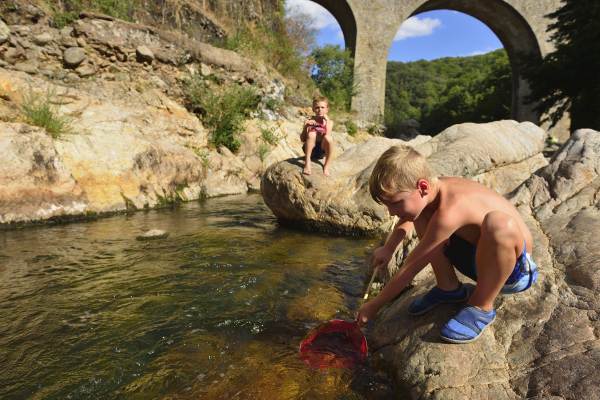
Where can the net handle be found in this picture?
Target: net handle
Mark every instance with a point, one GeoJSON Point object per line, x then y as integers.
{"type": "Point", "coordinates": [366, 295]}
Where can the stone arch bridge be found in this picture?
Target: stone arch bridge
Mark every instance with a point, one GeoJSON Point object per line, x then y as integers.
{"type": "Point", "coordinates": [369, 27]}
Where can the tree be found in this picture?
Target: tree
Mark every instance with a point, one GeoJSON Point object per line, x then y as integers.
{"type": "Point", "coordinates": [333, 75]}
{"type": "Point", "coordinates": [568, 78]}
{"type": "Point", "coordinates": [447, 91]}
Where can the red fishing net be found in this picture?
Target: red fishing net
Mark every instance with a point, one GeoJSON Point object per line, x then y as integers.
{"type": "Point", "coordinates": [335, 344]}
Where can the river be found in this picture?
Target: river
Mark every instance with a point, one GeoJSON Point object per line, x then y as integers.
{"type": "Point", "coordinates": [214, 311]}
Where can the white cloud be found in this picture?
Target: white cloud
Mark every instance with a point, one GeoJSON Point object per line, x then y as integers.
{"type": "Point", "coordinates": [320, 17]}
{"type": "Point", "coordinates": [415, 26]}
{"type": "Point", "coordinates": [478, 52]}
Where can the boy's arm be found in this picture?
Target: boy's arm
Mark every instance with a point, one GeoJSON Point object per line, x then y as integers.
{"type": "Point", "coordinates": [382, 255]}
{"type": "Point", "coordinates": [438, 231]}
{"type": "Point", "coordinates": [329, 126]}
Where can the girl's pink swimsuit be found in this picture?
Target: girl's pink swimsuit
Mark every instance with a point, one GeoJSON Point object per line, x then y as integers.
{"type": "Point", "coordinates": [320, 127]}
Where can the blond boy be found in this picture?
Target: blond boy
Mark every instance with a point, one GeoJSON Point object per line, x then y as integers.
{"type": "Point", "coordinates": [316, 136]}
{"type": "Point", "coordinates": [459, 223]}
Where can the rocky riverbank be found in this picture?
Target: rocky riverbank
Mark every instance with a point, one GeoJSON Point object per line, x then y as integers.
{"type": "Point", "coordinates": [131, 143]}
{"type": "Point", "coordinates": [545, 342]}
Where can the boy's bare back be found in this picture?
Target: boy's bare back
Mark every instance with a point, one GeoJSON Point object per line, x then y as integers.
{"type": "Point", "coordinates": [461, 206]}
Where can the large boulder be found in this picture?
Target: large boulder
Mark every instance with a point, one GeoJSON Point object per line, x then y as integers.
{"type": "Point", "coordinates": [544, 343]}
{"type": "Point", "coordinates": [341, 203]}
{"type": "Point", "coordinates": [122, 150]}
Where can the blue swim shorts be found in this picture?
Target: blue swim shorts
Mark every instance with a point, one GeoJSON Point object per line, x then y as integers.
{"type": "Point", "coordinates": [461, 254]}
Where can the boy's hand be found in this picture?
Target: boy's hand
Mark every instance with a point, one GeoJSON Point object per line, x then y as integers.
{"type": "Point", "coordinates": [381, 257]}
{"type": "Point", "coordinates": [366, 313]}
{"type": "Point", "coordinates": [310, 122]}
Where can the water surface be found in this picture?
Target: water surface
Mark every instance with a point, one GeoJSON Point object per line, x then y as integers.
{"type": "Point", "coordinates": [214, 311]}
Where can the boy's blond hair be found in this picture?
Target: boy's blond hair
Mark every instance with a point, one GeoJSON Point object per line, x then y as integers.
{"type": "Point", "coordinates": [398, 169]}
{"type": "Point", "coordinates": [318, 99]}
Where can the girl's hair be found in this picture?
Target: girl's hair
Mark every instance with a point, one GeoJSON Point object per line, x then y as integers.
{"type": "Point", "coordinates": [398, 169]}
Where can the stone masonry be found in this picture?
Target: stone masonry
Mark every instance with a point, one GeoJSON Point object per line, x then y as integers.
{"type": "Point", "coordinates": [369, 27]}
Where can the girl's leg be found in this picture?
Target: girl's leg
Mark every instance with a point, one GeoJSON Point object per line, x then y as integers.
{"type": "Point", "coordinates": [308, 148]}
{"type": "Point", "coordinates": [327, 143]}
{"type": "Point", "coordinates": [500, 244]}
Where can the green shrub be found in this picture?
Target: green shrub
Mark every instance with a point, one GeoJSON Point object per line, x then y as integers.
{"type": "Point", "coordinates": [62, 19]}
{"type": "Point", "coordinates": [224, 112]}
{"type": "Point", "coordinates": [351, 127]}
{"type": "Point", "coordinates": [263, 150]}
{"type": "Point", "coordinates": [273, 46]}
{"type": "Point", "coordinates": [273, 104]}
{"type": "Point", "coordinates": [68, 10]}
{"type": "Point", "coordinates": [39, 111]}
{"type": "Point", "coordinates": [269, 136]}
{"type": "Point", "coordinates": [375, 130]}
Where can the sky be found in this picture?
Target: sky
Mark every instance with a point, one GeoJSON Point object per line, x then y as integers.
{"type": "Point", "coordinates": [426, 36]}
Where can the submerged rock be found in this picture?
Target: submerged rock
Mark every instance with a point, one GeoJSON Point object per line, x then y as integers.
{"type": "Point", "coordinates": [153, 234]}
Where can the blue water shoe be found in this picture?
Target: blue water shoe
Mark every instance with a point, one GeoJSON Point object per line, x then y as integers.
{"type": "Point", "coordinates": [467, 325]}
{"type": "Point", "coordinates": [437, 296]}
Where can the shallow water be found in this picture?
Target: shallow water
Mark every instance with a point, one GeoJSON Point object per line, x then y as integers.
{"type": "Point", "coordinates": [216, 310]}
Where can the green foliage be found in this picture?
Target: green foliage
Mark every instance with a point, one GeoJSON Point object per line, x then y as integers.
{"type": "Point", "coordinates": [271, 45]}
{"type": "Point", "coordinates": [567, 79]}
{"type": "Point", "coordinates": [268, 135]}
{"type": "Point", "coordinates": [448, 91]}
{"type": "Point", "coordinates": [62, 19]}
{"type": "Point", "coordinates": [223, 112]}
{"type": "Point", "coordinates": [202, 154]}
{"type": "Point", "coordinates": [333, 75]}
{"type": "Point", "coordinates": [351, 127]}
{"type": "Point", "coordinates": [67, 11]}
{"type": "Point", "coordinates": [273, 104]}
{"type": "Point", "coordinates": [263, 150]}
{"type": "Point", "coordinates": [38, 110]}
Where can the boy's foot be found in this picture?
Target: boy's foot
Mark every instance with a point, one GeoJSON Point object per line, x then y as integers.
{"type": "Point", "coordinates": [437, 296]}
{"type": "Point", "coordinates": [467, 325]}
{"type": "Point", "coordinates": [326, 171]}
{"type": "Point", "coordinates": [306, 171]}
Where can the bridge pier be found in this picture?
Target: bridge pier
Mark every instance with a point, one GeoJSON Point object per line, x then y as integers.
{"type": "Point", "coordinates": [369, 27]}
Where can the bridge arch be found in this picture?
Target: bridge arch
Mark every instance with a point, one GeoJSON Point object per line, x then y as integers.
{"type": "Point", "coordinates": [343, 14]}
{"type": "Point", "coordinates": [369, 27]}
{"type": "Point", "coordinates": [516, 36]}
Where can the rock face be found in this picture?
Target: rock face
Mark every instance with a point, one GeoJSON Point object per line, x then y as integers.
{"type": "Point", "coordinates": [545, 342]}
{"type": "Point", "coordinates": [131, 142]}
{"type": "Point", "coordinates": [341, 203]}
{"type": "Point", "coordinates": [124, 150]}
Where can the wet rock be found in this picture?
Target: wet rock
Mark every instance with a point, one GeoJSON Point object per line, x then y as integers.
{"type": "Point", "coordinates": [73, 56]}
{"type": "Point", "coordinates": [153, 234]}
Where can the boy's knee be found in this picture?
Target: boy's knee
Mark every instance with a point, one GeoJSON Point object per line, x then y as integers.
{"type": "Point", "coordinates": [311, 135]}
{"type": "Point", "coordinates": [499, 225]}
